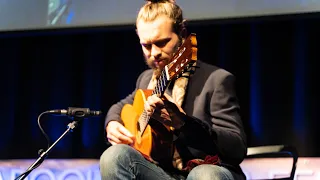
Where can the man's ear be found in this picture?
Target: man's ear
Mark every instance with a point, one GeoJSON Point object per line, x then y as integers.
{"type": "Point", "coordinates": [183, 33]}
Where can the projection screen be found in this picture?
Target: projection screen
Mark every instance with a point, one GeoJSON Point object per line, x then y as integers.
{"type": "Point", "coordinates": [34, 14]}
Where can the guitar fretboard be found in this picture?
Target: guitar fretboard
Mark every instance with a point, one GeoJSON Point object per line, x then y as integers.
{"type": "Point", "coordinates": [159, 89]}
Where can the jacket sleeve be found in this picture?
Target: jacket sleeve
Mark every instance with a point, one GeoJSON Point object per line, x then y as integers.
{"type": "Point", "coordinates": [222, 132]}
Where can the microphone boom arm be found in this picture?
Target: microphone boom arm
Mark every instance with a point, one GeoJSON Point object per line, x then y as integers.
{"type": "Point", "coordinates": [44, 154]}
{"type": "Point", "coordinates": [77, 115]}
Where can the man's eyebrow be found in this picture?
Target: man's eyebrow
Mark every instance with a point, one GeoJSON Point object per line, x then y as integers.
{"type": "Point", "coordinates": [156, 41]}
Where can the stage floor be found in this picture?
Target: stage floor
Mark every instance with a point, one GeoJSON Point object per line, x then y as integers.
{"type": "Point", "coordinates": [88, 169]}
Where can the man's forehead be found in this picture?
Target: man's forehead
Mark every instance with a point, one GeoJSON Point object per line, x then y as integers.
{"type": "Point", "coordinates": [160, 28]}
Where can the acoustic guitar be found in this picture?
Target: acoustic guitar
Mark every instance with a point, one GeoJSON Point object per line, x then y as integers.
{"type": "Point", "coordinates": [154, 139]}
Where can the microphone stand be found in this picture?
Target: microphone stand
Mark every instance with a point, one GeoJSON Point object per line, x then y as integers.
{"type": "Point", "coordinates": [44, 154]}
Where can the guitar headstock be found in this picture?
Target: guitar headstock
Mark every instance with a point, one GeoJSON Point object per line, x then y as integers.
{"type": "Point", "coordinates": [185, 57]}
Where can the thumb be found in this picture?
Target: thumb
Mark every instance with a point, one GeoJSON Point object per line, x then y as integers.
{"type": "Point", "coordinates": [125, 131]}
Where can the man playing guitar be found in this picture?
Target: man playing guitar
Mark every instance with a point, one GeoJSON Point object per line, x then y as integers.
{"type": "Point", "coordinates": [182, 121]}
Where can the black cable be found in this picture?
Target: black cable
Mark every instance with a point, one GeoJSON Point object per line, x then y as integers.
{"type": "Point", "coordinates": [40, 150]}
{"type": "Point", "coordinates": [43, 132]}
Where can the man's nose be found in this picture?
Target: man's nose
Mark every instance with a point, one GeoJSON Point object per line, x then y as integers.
{"type": "Point", "coordinates": [155, 51]}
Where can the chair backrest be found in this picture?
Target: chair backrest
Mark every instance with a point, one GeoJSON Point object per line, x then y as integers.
{"type": "Point", "coordinates": [275, 151]}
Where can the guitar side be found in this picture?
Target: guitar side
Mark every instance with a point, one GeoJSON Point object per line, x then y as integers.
{"type": "Point", "coordinates": [130, 115]}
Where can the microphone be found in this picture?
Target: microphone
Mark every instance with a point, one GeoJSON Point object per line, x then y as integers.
{"type": "Point", "coordinates": [76, 112]}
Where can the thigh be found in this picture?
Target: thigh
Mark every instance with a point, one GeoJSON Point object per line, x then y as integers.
{"type": "Point", "coordinates": [210, 172]}
{"type": "Point", "coordinates": [124, 161]}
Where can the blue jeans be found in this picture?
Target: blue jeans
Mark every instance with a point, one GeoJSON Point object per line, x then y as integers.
{"type": "Point", "coordinates": [123, 162]}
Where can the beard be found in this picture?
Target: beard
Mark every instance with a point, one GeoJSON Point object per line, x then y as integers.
{"type": "Point", "coordinates": [150, 63]}
{"type": "Point", "coordinates": [157, 70]}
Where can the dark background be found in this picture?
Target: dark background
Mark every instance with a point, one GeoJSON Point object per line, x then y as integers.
{"type": "Point", "coordinates": [35, 14]}
{"type": "Point", "coordinates": [274, 59]}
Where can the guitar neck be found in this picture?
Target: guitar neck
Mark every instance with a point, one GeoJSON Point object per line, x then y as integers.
{"type": "Point", "coordinates": [162, 83]}
{"type": "Point", "coordinates": [159, 89]}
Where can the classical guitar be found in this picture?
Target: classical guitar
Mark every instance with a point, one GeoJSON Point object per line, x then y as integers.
{"type": "Point", "coordinates": [154, 139]}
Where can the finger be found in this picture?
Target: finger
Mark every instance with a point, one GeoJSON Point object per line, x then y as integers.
{"type": "Point", "coordinates": [165, 114]}
{"type": "Point", "coordinates": [154, 100]}
{"type": "Point", "coordinates": [113, 139]}
{"type": "Point", "coordinates": [125, 131]}
{"type": "Point", "coordinates": [158, 103]}
{"type": "Point", "coordinates": [112, 142]}
{"type": "Point", "coordinates": [122, 138]}
{"type": "Point", "coordinates": [151, 102]}
{"type": "Point", "coordinates": [149, 106]}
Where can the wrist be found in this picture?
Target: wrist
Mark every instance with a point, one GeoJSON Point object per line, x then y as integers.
{"type": "Point", "coordinates": [179, 121]}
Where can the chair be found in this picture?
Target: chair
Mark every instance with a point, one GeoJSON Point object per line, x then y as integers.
{"type": "Point", "coordinates": [275, 151]}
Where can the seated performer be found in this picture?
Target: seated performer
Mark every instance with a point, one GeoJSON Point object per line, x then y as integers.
{"type": "Point", "coordinates": [194, 128]}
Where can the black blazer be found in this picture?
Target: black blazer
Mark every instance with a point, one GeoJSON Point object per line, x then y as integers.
{"type": "Point", "coordinates": [213, 125]}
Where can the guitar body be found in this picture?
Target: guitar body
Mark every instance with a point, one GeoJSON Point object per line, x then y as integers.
{"type": "Point", "coordinates": [156, 141]}
{"type": "Point", "coordinates": [130, 115]}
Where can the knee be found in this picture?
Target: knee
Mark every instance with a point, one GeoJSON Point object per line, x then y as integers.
{"type": "Point", "coordinates": [113, 155]}
{"type": "Point", "coordinates": [115, 159]}
{"type": "Point", "coordinates": [209, 172]}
